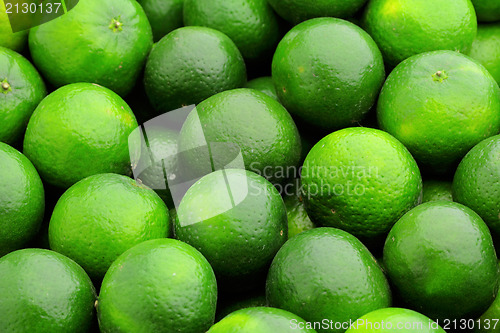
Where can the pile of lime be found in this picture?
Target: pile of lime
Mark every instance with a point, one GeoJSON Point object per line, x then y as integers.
{"type": "Point", "coordinates": [250, 166]}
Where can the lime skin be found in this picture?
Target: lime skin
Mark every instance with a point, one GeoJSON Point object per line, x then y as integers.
{"type": "Point", "coordinates": [44, 291]}
{"type": "Point", "coordinates": [22, 200]}
{"type": "Point", "coordinates": [97, 42]}
{"type": "Point", "coordinates": [77, 131]}
{"type": "Point", "coordinates": [164, 16]}
{"type": "Point", "coordinates": [489, 320]}
{"type": "Point", "coordinates": [441, 261]}
{"type": "Point", "coordinates": [435, 190]}
{"type": "Point", "coordinates": [395, 320]}
{"type": "Point", "coordinates": [326, 273]}
{"type": "Point", "coordinates": [363, 193]}
{"type": "Point", "coordinates": [251, 24]}
{"type": "Point", "coordinates": [328, 72]}
{"type": "Point", "coordinates": [486, 48]}
{"type": "Point", "coordinates": [242, 121]}
{"type": "Point", "coordinates": [262, 320]}
{"type": "Point", "coordinates": [102, 216]}
{"type": "Point", "coordinates": [403, 28]}
{"type": "Point", "coordinates": [15, 41]}
{"type": "Point", "coordinates": [487, 10]}
{"type": "Point", "coordinates": [21, 90]}
{"type": "Point", "coordinates": [263, 84]}
{"type": "Point", "coordinates": [177, 76]}
{"type": "Point", "coordinates": [237, 219]}
{"type": "Point", "coordinates": [476, 184]}
{"type": "Point", "coordinates": [439, 105]}
{"type": "Point", "coordinates": [296, 11]}
{"type": "Point", "coordinates": [160, 142]}
{"type": "Point", "coordinates": [161, 285]}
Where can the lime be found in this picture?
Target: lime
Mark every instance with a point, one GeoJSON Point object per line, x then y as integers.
{"type": "Point", "coordinates": [21, 89]}
{"type": "Point", "coordinates": [262, 320]}
{"type": "Point", "coordinates": [97, 42]}
{"type": "Point", "coordinates": [79, 130]}
{"type": "Point", "coordinates": [21, 200]}
{"type": "Point", "coordinates": [15, 41]}
{"type": "Point", "coordinates": [486, 48]}
{"type": "Point", "coordinates": [326, 274]}
{"type": "Point", "coordinates": [239, 301]}
{"type": "Point", "coordinates": [296, 11]}
{"type": "Point", "coordinates": [251, 24]}
{"type": "Point", "coordinates": [487, 10]}
{"type": "Point", "coordinates": [403, 28]}
{"type": "Point", "coordinates": [263, 84]}
{"type": "Point", "coordinates": [44, 291]}
{"type": "Point", "coordinates": [191, 64]}
{"type": "Point", "coordinates": [440, 258]}
{"type": "Point", "coordinates": [236, 219]}
{"type": "Point", "coordinates": [298, 220]}
{"type": "Point", "coordinates": [161, 285]}
{"type": "Point", "coordinates": [434, 190]}
{"type": "Point", "coordinates": [328, 72]}
{"type": "Point", "coordinates": [164, 16]}
{"type": "Point", "coordinates": [246, 121]}
{"type": "Point", "coordinates": [476, 182]}
{"type": "Point", "coordinates": [102, 216]}
{"type": "Point", "coordinates": [361, 180]}
{"type": "Point", "coordinates": [439, 105]}
{"type": "Point", "coordinates": [395, 320]}
{"type": "Point", "coordinates": [161, 142]}
{"type": "Point", "coordinates": [488, 322]}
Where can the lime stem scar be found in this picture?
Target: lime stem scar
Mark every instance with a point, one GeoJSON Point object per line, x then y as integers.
{"type": "Point", "coordinates": [116, 25]}
{"type": "Point", "coordinates": [439, 76]}
{"type": "Point", "coordinates": [5, 86]}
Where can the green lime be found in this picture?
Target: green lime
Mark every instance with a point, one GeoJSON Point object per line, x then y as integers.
{"type": "Point", "coordinates": [403, 28]}
{"type": "Point", "coordinates": [239, 301]}
{"type": "Point", "coordinates": [487, 10]}
{"type": "Point", "coordinates": [22, 201]}
{"type": "Point", "coordinates": [476, 182]}
{"type": "Point", "coordinates": [79, 130]}
{"type": "Point", "coordinates": [246, 121]}
{"type": "Point", "coordinates": [236, 219]}
{"type": "Point", "coordinates": [161, 285]}
{"type": "Point", "coordinates": [251, 24]}
{"type": "Point", "coordinates": [434, 190]}
{"type": "Point", "coordinates": [296, 11]}
{"type": "Point", "coordinates": [394, 320]}
{"type": "Point", "coordinates": [488, 322]}
{"type": "Point", "coordinates": [161, 143]}
{"type": "Point", "coordinates": [262, 320]}
{"type": "Point", "coordinates": [263, 84]}
{"type": "Point", "coordinates": [21, 89]}
{"type": "Point", "coordinates": [102, 216]}
{"type": "Point", "coordinates": [486, 48]}
{"type": "Point", "coordinates": [328, 72]}
{"type": "Point", "coordinates": [44, 291]}
{"type": "Point", "coordinates": [361, 180]}
{"type": "Point", "coordinates": [439, 105]}
{"type": "Point", "coordinates": [191, 64]}
{"type": "Point", "coordinates": [326, 274]}
{"type": "Point", "coordinates": [97, 42]}
{"type": "Point", "coordinates": [15, 41]}
{"type": "Point", "coordinates": [164, 16]}
{"type": "Point", "coordinates": [440, 258]}
{"type": "Point", "coordinates": [298, 220]}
